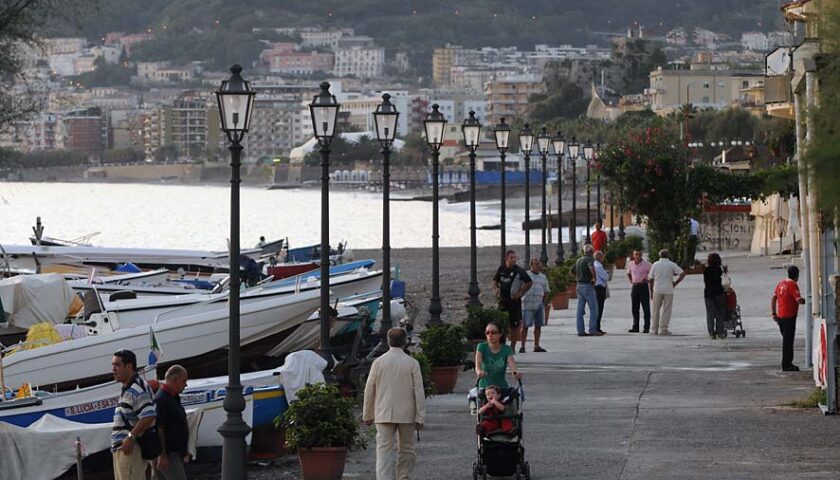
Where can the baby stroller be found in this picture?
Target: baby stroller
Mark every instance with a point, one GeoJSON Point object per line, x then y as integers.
{"type": "Point", "coordinates": [501, 453]}
{"type": "Point", "coordinates": [732, 323]}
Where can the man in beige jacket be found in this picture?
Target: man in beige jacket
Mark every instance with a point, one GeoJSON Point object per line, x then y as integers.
{"type": "Point", "coordinates": [395, 402]}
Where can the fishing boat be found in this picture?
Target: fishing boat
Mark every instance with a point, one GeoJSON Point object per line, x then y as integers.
{"type": "Point", "coordinates": [196, 339]}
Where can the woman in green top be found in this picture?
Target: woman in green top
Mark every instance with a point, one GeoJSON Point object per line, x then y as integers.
{"type": "Point", "coordinates": [492, 358]}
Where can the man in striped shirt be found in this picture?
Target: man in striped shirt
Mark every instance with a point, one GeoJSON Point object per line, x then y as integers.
{"type": "Point", "coordinates": [134, 414]}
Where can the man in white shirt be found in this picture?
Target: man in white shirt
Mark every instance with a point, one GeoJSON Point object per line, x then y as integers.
{"type": "Point", "coordinates": [693, 240]}
{"type": "Point", "coordinates": [662, 285]}
{"type": "Point", "coordinates": [601, 279]}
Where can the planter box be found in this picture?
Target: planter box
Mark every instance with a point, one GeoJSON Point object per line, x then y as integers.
{"type": "Point", "coordinates": [620, 263]}
{"type": "Point", "coordinates": [445, 379]}
{"type": "Point", "coordinates": [573, 290]}
{"type": "Point", "coordinates": [560, 301]}
{"type": "Point", "coordinates": [322, 463]}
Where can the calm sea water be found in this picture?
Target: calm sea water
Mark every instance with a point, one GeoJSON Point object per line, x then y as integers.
{"type": "Point", "coordinates": [178, 216]}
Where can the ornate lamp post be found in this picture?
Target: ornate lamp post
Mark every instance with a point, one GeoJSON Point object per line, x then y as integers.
{"type": "Point", "coordinates": [543, 144]}
{"type": "Point", "coordinates": [526, 141]}
{"type": "Point", "coordinates": [612, 217]}
{"type": "Point", "coordinates": [502, 135]}
{"type": "Point", "coordinates": [598, 217]}
{"type": "Point", "coordinates": [434, 125]}
{"type": "Point", "coordinates": [324, 113]}
{"type": "Point", "coordinates": [559, 150]}
{"type": "Point", "coordinates": [236, 100]}
{"type": "Point", "coordinates": [471, 129]}
{"type": "Point", "coordinates": [588, 153]}
{"type": "Point", "coordinates": [574, 151]}
{"type": "Point", "coordinates": [385, 119]}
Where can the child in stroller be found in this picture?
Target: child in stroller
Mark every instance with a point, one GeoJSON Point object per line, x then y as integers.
{"type": "Point", "coordinates": [501, 451]}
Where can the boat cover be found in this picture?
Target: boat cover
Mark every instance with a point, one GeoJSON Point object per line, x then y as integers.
{"type": "Point", "coordinates": [23, 449]}
{"type": "Point", "coordinates": [299, 369]}
{"type": "Point", "coordinates": [31, 299]}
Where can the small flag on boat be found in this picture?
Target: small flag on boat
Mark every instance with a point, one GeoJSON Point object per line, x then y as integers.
{"type": "Point", "coordinates": [92, 276]}
{"type": "Point", "coordinates": [154, 348]}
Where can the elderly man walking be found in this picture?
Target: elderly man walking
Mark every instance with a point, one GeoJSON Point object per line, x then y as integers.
{"type": "Point", "coordinates": [584, 271]}
{"type": "Point", "coordinates": [395, 402]}
{"type": "Point", "coordinates": [662, 285]}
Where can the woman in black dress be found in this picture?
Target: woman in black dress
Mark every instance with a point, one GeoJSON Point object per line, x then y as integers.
{"type": "Point", "coordinates": [713, 295]}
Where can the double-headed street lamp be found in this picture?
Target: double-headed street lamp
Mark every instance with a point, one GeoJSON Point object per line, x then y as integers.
{"type": "Point", "coordinates": [559, 150]}
{"type": "Point", "coordinates": [435, 126]}
{"type": "Point", "coordinates": [574, 151]}
{"type": "Point", "coordinates": [236, 100]}
{"type": "Point", "coordinates": [324, 113]}
{"type": "Point", "coordinates": [385, 120]}
{"type": "Point", "coordinates": [526, 142]}
{"type": "Point", "coordinates": [502, 135]}
{"type": "Point", "coordinates": [543, 144]}
{"type": "Point", "coordinates": [588, 153]}
{"type": "Point", "coordinates": [471, 129]}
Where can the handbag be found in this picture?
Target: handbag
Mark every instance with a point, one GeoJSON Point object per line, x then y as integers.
{"type": "Point", "coordinates": [150, 444]}
{"type": "Point", "coordinates": [726, 282]}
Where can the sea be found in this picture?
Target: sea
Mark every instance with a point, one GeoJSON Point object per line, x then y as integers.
{"type": "Point", "coordinates": [198, 216]}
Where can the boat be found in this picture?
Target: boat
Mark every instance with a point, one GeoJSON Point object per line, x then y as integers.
{"type": "Point", "coordinates": [196, 339]}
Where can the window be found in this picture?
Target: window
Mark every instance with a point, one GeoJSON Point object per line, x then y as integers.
{"type": "Point", "coordinates": [706, 85]}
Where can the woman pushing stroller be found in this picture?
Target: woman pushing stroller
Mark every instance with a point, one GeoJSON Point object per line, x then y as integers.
{"type": "Point", "coordinates": [492, 359]}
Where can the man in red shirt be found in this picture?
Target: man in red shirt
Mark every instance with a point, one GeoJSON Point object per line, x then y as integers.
{"type": "Point", "coordinates": [599, 238]}
{"type": "Point", "coordinates": [785, 306]}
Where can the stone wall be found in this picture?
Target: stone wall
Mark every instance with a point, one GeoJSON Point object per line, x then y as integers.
{"type": "Point", "coordinates": [726, 228]}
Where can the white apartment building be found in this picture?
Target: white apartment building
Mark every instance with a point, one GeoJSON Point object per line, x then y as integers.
{"type": "Point", "coordinates": [363, 62]}
{"type": "Point", "coordinates": [58, 46]}
{"type": "Point", "coordinates": [324, 38]}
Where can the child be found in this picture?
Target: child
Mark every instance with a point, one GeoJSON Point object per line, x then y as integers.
{"type": "Point", "coordinates": [494, 408]}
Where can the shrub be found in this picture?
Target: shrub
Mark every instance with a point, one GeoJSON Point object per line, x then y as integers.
{"type": "Point", "coordinates": [443, 345]}
{"type": "Point", "coordinates": [321, 417]}
{"type": "Point", "coordinates": [558, 279]}
{"type": "Point", "coordinates": [479, 317]}
{"type": "Point", "coordinates": [426, 371]}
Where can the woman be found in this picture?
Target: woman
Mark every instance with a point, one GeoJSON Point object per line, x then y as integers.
{"type": "Point", "coordinates": [493, 358]}
{"type": "Point", "coordinates": [713, 296]}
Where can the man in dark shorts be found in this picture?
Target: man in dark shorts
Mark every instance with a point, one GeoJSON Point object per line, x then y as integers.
{"type": "Point", "coordinates": [510, 283]}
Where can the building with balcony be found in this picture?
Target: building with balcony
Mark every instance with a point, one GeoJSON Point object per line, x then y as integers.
{"type": "Point", "coordinates": [508, 97]}
{"type": "Point", "coordinates": [85, 131]}
{"type": "Point", "coordinates": [358, 57]}
{"type": "Point", "coordinates": [276, 123]}
{"type": "Point", "coordinates": [292, 63]}
{"type": "Point", "coordinates": [703, 88]}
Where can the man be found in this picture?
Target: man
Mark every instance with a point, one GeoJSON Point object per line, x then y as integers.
{"type": "Point", "coordinates": [785, 307]}
{"type": "Point", "coordinates": [637, 272]}
{"type": "Point", "coordinates": [134, 414]}
{"type": "Point", "coordinates": [662, 284]}
{"type": "Point", "coordinates": [172, 426]}
{"type": "Point", "coordinates": [533, 305]}
{"type": "Point", "coordinates": [510, 298]}
{"type": "Point", "coordinates": [584, 271]}
{"type": "Point", "coordinates": [693, 239]}
{"type": "Point", "coordinates": [395, 402]}
{"type": "Point", "coordinates": [599, 238]}
{"type": "Point", "coordinates": [601, 279]}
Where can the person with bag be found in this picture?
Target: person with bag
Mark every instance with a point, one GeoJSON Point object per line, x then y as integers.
{"type": "Point", "coordinates": [134, 438]}
{"type": "Point", "coordinates": [713, 296]}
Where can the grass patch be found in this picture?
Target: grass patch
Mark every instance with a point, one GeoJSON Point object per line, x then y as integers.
{"type": "Point", "coordinates": [813, 400]}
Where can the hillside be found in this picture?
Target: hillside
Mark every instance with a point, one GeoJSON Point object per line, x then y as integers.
{"type": "Point", "coordinates": [220, 30]}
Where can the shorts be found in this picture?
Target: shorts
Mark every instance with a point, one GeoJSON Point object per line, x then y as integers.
{"type": "Point", "coordinates": [533, 318]}
{"type": "Point", "coordinates": [514, 310]}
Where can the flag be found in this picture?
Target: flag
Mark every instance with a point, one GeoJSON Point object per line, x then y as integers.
{"type": "Point", "coordinates": [154, 348]}
{"type": "Point", "coordinates": [92, 276]}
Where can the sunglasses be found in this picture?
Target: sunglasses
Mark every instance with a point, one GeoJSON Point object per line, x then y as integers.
{"type": "Point", "coordinates": [491, 332]}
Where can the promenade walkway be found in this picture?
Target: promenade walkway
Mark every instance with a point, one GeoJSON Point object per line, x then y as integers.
{"type": "Point", "coordinates": [639, 407]}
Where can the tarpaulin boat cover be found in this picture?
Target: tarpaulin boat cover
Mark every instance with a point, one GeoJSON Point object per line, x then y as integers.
{"type": "Point", "coordinates": [299, 369]}
{"type": "Point", "coordinates": [47, 448]}
{"type": "Point", "coordinates": [31, 299]}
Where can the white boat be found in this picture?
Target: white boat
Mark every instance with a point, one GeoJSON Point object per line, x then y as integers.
{"type": "Point", "coordinates": [195, 340]}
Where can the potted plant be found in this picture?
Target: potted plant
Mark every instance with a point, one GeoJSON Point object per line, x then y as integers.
{"type": "Point", "coordinates": [426, 372]}
{"type": "Point", "coordinates": [568, 267]}
{"type": "Point", "coordinates": [443, 345]}
{"type": "Point", "coordinates": [609, 259]}
{"type": "Point", "coordinates": [321, 425]}
{"type": "Point", "coordinates": [558, 287]}
{"type": "Point", "coordinates": [479, 317]}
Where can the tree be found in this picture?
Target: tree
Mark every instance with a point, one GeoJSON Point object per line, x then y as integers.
{"type": "Point", "coordinates": [566, 100]}
{"type": "Point", "coordinates": [21, 23]}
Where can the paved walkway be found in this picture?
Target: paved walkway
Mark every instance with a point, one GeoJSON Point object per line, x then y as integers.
{"type": "Point", "coordinates": [639, 407]}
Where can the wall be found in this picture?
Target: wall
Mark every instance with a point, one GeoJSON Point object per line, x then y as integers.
{"type": "Point", "coordinates": [726, 228]}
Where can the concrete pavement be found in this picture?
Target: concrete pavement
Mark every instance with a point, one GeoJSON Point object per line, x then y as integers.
{"type": "Point", "coordinates": [633, 406]}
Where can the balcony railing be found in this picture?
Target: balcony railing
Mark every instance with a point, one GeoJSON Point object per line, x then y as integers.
{"type": "Point", "coordinates": [777, 89]}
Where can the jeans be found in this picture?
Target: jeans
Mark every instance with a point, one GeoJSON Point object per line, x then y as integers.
{"type": "Point", "coordinates": [716, 314]}
{"type": "Point", "coordinates": [788, 328]}
{"type": "Point", "coordinates": [640, 295]}
{"type": "Point", "coordinates": [601, 297]}
{"type": "Point", "coordinates": [586, 296]}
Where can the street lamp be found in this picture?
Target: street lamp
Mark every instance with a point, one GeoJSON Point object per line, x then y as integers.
{"type": "Point", "coordinates": [385, 120]}
{"type": "Point", "coordinates": [236, 100]}
{"type": "Point", "coordinates": [434, 125]}
{"type": "Point", "coordinates": [471, 129]}
{"type": "Point", "coordinates": [559, 150]}
{"type": "Point", "coordinates": [598, 217]}
{"type": "Point", "coordinates": [588, 153]}
{"type": "Point", "coordinates": [526, 141]}
{"type": "Point", "coordinates": [612, 215]}
{"type": "Point", "coordinates": [543, 144]}
{"type": "Point", "coordinates": [574, 151]}
{"type": "Point", "coordinates": [502, 135]}
{"type": "Point", "coordinates": [324, 113]}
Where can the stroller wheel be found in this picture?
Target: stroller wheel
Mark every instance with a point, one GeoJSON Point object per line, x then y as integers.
{"type": "Point", "coordinates": [518, 474]}
{"type": "Point", "coordinates": [484, 472]}
{"type": "Point", "coordinates": [527, 471]}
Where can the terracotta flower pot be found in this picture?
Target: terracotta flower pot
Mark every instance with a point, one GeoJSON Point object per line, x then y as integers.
{"type": "Point", "coordinates": [573, 290]}
{"type": "Point", "coordinates": [560, 301]}
{"type": "Point", "coordinates": [322, 463]}
{"type": "Point", "coordinates": [445, 379]}
{"type": "Point", "coordinates": [620, 262]}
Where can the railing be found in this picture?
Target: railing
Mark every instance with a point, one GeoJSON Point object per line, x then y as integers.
{"type": "Point", "coordinates": [777, 89]}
